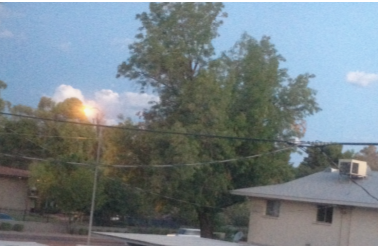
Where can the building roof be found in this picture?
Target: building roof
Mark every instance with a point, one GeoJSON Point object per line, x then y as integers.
{"type": "Point", "coordinates": [327, 187]}
{"type": "Point", "coordinates": [13, 172]}
{"type": "Point", "coordinates": [162, 240]}
{"type": "Point", "coordinates": [14, 243]}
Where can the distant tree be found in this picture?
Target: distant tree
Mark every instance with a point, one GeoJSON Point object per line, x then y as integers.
{"type": "Point", "coordinates": [121, 200]}
{"type": "Point", "coordinates": [19, 138]}
{"type": "Point", "coordinates": [46, 104]}
{"type": "Point", "coordinates": [67, 184]}
{"type": "Point", "coordinates": [128, 148]}
{"type": "Point", "coordinates": [320, 158]}
{"type": "Point", "coordinates": [3, 103]}
{"type": "Point", "coordinates": [370, 155]}
{"type": "Point", "coordinates": [244, 93]}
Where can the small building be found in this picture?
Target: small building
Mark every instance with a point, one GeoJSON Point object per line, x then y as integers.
{"type": "Point", "coordinates": [14, 189]}
{"type": "Point", "coordinates": [333, 207]}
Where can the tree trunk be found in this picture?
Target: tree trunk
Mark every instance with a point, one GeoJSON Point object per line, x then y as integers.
{"type": "Point", "coordinates": [206, 219]}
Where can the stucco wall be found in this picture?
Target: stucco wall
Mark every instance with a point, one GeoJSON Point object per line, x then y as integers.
{"type": "Point", "coordinates": [297, 226]}
{"type": "Point", "coordinates": [13, 193]}
{"type": "Point", "coordinates": [364, 227]}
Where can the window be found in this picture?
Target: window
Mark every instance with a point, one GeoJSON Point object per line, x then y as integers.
{"type": "Point", "coordinates": [325, 213]}
{"type": "Point", "coordinates": [272, 208]}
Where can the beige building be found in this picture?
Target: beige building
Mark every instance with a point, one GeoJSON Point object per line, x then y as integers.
{"type": "Point", "coordinates": [14, 189]}
{"type": "Point", "coordinates": [330, 208]}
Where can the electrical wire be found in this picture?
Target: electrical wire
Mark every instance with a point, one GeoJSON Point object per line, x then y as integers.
{"type": "Point", "coordinates": [146, 166]}
{"type": "Point", "coordinates": [42, 136]}
{"type": "Point", "coordinates": [45, 160]}
{"type": "Point", "coordinates": [152, 131]}
{"type": "Point", "coordinates": [202, 163]}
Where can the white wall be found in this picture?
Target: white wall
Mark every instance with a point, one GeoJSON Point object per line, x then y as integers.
{"type": "Point", "coordinates": [364, 227]}
{"type": "Point", "coordinates": [297, 226]}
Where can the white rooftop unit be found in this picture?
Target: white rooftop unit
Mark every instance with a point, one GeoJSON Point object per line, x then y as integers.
{"type": "Point", "coordinates": [353, 168]}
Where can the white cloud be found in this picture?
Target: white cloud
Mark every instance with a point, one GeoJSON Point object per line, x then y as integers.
{"type": "Point", "coordinates": [6, 34]}
{"type": "Point", "coordinates": [361, 78]}
{"type": "Point", "coordinates": [127, 104]}
{"type": "Point", "coordinates": [6, 13]}
{"type": "Point", "coordinates": [65, 47]}
{"type": "Point", "coordinates": [138, 101]}
{"type": "Point", "coordinates": [66, 91]}
{"type": "Point", "coordinates": [106, 97]}
{"type": "Point", "coordinates": [110, 103]}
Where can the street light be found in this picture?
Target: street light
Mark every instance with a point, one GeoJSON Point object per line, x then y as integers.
{"type": "Point", "coordinates": [88, 111]}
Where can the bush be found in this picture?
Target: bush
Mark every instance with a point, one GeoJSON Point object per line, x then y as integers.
{"type": "Point", "coordinates": [5, 226]}
{"type": "Point", "coordinates": [82, 231]}
{"type": "Point", "coordinates": [18, 227]}
{"type": "Point", "coordinates": [71, 231]}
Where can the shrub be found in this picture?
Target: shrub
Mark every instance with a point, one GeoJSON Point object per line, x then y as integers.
{"type": "Point", "coordinates": [5, 226]}
{"type": "Point", "coordinates": [82, 231]}
{"type": "Point", "coordinates": [18, 227]}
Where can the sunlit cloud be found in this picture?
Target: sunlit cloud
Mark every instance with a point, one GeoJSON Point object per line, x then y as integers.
{"type": "Point", "coordinates": [64, 92]}
{"type": "Point", "coordinates": [361, 78]}
{"type": "Point", "coordinates": [109, 104]}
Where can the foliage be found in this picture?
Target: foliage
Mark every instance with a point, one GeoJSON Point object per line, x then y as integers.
{"type": "Point", "coordinates": [46, 139]}
{"type": "Point", "coordinates": [319, 158]}
{"type": "Point", "coordinates": [58, 179]}
{"type": "Point", "coordinates": [243, 93]}
{"type": "Point", "coordinates": [18, 227]}
{"type": "Point", "coordinates": [370, 155]}
{"type": "Point", "coordinates": [5, 226]}
{"type": "Point", "coordinates": [120, 200]}
{"type": "Point", "coordinates": [3, 103]}
{"type": "Point", "coordinates": [237, 215]}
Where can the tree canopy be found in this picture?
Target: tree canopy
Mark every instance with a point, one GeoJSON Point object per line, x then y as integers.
{"type": "Point", "coordinates": [243, 93]}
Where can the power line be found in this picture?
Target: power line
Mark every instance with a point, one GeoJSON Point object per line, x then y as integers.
{"type": "Point", "coordinates": [151, 131]}
{"type": "Point", "coordinates": [147, 166]}
{"type": "Point", "coordinates": [43, 136]}
{"type": "Point", "coordinates": [205, 163]}
{"type": "Point", "coordinates": [319, 143]}
{"type": "Point", "coordinates": [44, 160]}
{"type": "Point", "coordinates": [289, 142]}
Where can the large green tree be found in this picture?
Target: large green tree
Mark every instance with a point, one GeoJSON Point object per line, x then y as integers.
{"type": "Point", "coordinates": [243, 93]}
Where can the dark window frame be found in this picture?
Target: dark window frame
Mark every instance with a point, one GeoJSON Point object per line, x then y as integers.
{"type": "Point", "coordinates": [273, 208]}
{"type": "Point", "coordinates": [324, 214]}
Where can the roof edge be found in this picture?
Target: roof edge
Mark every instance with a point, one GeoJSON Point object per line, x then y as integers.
{"type": "Point", "coordinates": [304, 199]}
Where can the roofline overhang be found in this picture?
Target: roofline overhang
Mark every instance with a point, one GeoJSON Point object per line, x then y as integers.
{"type": "Point", "coordinates": [305, 199]}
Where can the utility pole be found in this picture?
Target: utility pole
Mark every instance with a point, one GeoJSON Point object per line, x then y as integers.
{"type": "Point", "coordinates": [99, 138]}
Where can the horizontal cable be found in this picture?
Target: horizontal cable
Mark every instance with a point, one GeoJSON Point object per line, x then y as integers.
{"type": "Point", "coordinates": [146, 166]}
{"type": "Point", "coordinates": [149, 130]}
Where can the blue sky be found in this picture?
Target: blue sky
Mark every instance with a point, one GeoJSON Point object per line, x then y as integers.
{"type": "Point", "coordinates": [60, 50]}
